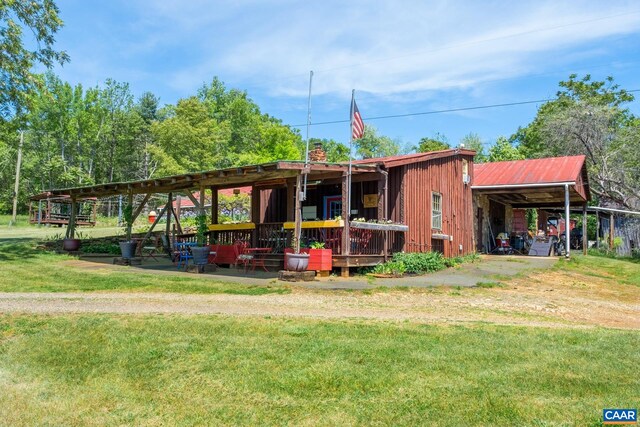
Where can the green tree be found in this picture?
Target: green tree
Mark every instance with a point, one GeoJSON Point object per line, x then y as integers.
{"type": "Point", "coordinates": [589, 118]}
{"type": "Point", "coordinates": [373, 145]}
{"type": "Point", "coordinates": [503, 150]}
{"type": "Point", "coordinates": [190, 140]}
{"type": "Point", "coordinates": [437, 143]}
{"type": "Point", "coordinates": [18, 82]}
{"type": "Point", "coordinates": [530, 140]}
{"type": "Point", "coordinates": [472, 141]}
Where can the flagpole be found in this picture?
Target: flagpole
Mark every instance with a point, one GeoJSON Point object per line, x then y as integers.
{"type": "Point", "coordinates": [347, 225]}
{"type": "Point", "coordinates": [306, 153]}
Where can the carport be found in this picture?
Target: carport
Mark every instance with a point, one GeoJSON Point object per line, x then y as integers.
{"type": "Point", "coordinates": [499, 187]}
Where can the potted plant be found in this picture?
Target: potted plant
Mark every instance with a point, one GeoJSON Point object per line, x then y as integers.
{"type": "Point", "coordinates": [201, 252]}
{"type": "Point", "coordinates": [319, 257]}
{"type": "Point", "coordinates": [128, 246]}
{"type": "Point", "coordinates": [295, 261]}
{"type": "Point", "coordinates": [72, 244]}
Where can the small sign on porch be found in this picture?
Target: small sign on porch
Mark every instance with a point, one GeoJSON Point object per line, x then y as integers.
{"type": "Point", "coordinates": [370, 200]}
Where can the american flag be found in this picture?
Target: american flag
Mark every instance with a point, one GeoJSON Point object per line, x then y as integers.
{"type": "Point", "coordinates": [357, 125]}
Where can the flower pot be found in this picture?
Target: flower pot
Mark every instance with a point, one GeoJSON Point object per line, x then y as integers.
{"type": "Point", "coordinates": [128, 249]}
{"type": "Point", "coordinates": [200, 254]}
{"type": "Point", "coordinates": [296, 262]}
{"type": "Point", "coordinates": [320, 259]}
{"type": "Point", "coordinates": [70, 245]}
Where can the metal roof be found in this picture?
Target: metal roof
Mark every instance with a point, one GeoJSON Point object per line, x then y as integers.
{"type": "Point", "coordinates": [533, 182]}
{"type": "Point", "coordinates": [403, 159]}
{"type": "Point", "coordinates": [550, 170]}
{"type": "Point", "coordinates": [229, 177]}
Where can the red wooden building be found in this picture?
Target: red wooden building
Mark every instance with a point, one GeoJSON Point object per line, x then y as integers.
{"type": "Point", "coordinates": [427, 196]}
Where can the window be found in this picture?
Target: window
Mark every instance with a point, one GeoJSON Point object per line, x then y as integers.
{"type": "Point", "coordinates": [332, 207]}
{"type": "Point", "coordinates": [436, 211]}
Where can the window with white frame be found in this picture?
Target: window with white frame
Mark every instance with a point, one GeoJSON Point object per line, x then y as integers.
{"type": "Point", "coordinates": [436, 211]}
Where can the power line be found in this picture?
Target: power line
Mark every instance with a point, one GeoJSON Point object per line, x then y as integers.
{"type": "Point", "coordinates": [450, 110]}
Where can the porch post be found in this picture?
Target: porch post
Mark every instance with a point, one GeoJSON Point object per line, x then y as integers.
{"type": "Point", "coordinates": [298, 216]}
{"type": "Point", "coordinates": [567, 224]}
{"type": "Point", "coordinates": [611, 231]}
{"type": "Point", "coordinates": [130, 206]}
{"type": "Point", "coordinates": [40, 212]}
{"type": "Point", "coordinates": [585, 241]}
{"type": "Point", "coordinates": [169, 213]}
{"type": "Point", "coordinates": [214, 205]}
{"type": "Point", "coordinates": [597, 229]}
{"type": "Point", "coordinates": [71, 226]}
{"type": "Point", "coordinates": [255, 214]}
{"type": "Point", "coordinates": [346, 240]}
{"type": "Point", "coordinates": [346, 250]}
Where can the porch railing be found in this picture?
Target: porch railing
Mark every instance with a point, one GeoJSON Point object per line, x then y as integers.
{"type": "Point", "coordinates": [372, 242]}
{"type": "Point", "coordinates": [274, 236]}
{"type": "Point", "coordinates": [229, 237]}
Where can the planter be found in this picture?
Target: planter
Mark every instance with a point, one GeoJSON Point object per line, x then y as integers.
{"type": "Point", "coordinates": [200, 254]}
{"type": "Point", "coordinates": [320, 259]}
{"type": "Point", "coordinates": [128, 249]}
{"type": "Point", "coordinates": [70, 245]}
{"type": "Point", "coordinates": [330, 223]}
{"type": "Point", "coordinates": [379, 226]}
{"type": "Point", "coordinates": [231, 227]}
{"type": "Point", "coordinates": [296, 262]}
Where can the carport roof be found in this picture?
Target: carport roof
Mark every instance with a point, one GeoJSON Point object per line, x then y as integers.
{"type": "Point", "coordinates": [532, 181]}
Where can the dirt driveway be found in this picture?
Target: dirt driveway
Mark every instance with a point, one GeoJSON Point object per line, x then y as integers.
{"type": "Point", "coordinates": [547, 298]}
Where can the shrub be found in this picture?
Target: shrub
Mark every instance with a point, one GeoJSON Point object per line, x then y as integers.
{"type": "Point", "coordinates": [390, 267]}
{"type": "Point", "coordinates": [418, 263]}
{"type": "Point", "coordinates": [101, 248]}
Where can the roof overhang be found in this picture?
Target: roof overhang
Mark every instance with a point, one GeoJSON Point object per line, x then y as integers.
{"type": "Point", "coordinates": [532, 195]}
{"type": "Point", "coordinates": [251, 175]}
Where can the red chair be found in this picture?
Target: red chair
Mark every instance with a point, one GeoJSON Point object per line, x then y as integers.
{"type": "Point", "coordinates": [242, 257]}
{"type": "Point", "coordinates": [259, 257]}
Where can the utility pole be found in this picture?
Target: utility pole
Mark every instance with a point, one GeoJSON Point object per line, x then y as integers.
{"type": "Point", "coordinates": [17, 183]}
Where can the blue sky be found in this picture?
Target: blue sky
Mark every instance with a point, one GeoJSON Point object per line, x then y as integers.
{"type": "Point", "coordinates": [401, 57]}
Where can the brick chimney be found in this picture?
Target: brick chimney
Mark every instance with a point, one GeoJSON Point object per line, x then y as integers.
{"type": "Point", "coordinates": [317, 154]}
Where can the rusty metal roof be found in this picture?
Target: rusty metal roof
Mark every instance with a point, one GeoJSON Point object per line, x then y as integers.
{"type": "Point", "coordinates": [545, 171]}
{"type": "Point", "coordinates": [548, 170]}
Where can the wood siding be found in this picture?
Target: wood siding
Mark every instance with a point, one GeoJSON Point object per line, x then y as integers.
{"type": "Point", "coordinates": [412, 186]}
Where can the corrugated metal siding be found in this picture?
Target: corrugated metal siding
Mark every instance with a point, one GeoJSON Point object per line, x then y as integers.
{"type": "Point", "coordinates": [444, 176]}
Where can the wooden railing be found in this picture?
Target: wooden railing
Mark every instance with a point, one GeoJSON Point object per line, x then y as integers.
{"type": "Point", "coordinates": [372, 242]}
{"type": "Point", "coordinates": [229, 237]}
{"type": "Point", "coordinates": [272, 235]}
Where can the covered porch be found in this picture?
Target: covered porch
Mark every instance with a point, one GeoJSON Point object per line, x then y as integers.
{"type": "Point", "coordinates": [333, 210]}
{"type": "Point", "coordinates": [502, 192]}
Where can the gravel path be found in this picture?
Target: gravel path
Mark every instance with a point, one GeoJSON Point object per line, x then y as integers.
{"type": "Point", "coordinates": [549, 299]}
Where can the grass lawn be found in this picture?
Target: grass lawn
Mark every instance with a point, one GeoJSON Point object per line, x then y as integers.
{"type": "Point", "coordinates": [625, 270]}
{"type": "Point", "coordinates": [26, 269]}
{"type": "Point", "coordinates": [164, 370]}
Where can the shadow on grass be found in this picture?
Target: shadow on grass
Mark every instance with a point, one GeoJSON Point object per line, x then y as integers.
{"type": "Point", "coordinates": [17, 249]}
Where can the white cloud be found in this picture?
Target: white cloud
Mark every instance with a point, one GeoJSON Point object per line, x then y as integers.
{"type": "Point", "coordinates": [390, 47]}
{"type": "Point", "coordinates": [406, 50]}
